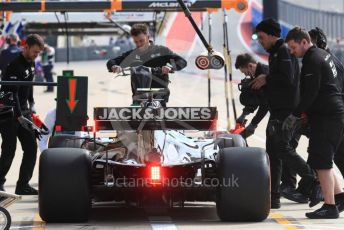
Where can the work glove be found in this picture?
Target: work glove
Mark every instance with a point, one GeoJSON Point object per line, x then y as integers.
{"type": "Point", "coordinates": [25, 123]}
{"type": "Point", "coordinates": [32, 107]}
{"type": "Point", "coordinates": [291, 123]}
{"type": "Point", "coordinates": [241, 119]}
{"type": "Point", "coordinates": [248, 131]}
{"type": "Point", "coordinates": [116, 68]}
{"type": "Point", "coordinates": [39, 132]}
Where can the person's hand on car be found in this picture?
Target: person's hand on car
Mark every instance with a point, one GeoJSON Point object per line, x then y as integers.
{"type": "Point", "coordinates": [248, 131]}
{"type": "Point", "coordinates": [116, 69]}
{"type": "Point", "coordinates": [165, 69]}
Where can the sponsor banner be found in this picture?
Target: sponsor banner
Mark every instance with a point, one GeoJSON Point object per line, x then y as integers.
{"type": "Point", "coordinates": [155, 125]}
{"type": "Point", "coordinates": [159, 114]}
{"type": "Point", "coordinates": [123, 5]}
{"type": "Point", "coordinates": [171, 4]}
{"type": "Point", "coordinates": [133, 16]}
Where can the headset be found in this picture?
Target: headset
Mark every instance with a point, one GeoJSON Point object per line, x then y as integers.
{"type": "Point", "coordinates": [320, 37]}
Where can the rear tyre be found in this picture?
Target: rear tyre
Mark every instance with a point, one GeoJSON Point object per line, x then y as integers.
{"type": "Point", "coordinates": [65, 141]}
{"type": "Point", "coordinates": [64, 185]}
{"type": "Point", "coordinates": [244, 191]}
{"type": "Point", "coordinates": [230, 140]}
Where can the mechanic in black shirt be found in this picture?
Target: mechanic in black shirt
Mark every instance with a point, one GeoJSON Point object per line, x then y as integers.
{"type": "Point", "coordinates": [322, 101]}
{"type": "Point", "coordinates": [12, 51]}
{"type": "Point", "coordinates": [149, 55]}
{"type": "Point", "coordinates": [319, 39]}
{"type": "Point", "coordinates": [20, 69]}
{"type": "Point", "coordinates": [282, 91]}
{"type": "Point", "coordinates": [251, 68]}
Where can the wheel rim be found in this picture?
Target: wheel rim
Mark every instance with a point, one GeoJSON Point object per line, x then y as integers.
{"type": "Point", "coordinates": [3, 220]}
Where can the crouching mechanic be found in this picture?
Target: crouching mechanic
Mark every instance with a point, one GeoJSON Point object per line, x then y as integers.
{"type": "Point", "coordinates": [322, 101]}
{"type": "Point", "coordinates": [148, 55]}
{"type": "Point", "coordinates": [251, 99]}
{"type": "Point", "coordinates": [20, 69]}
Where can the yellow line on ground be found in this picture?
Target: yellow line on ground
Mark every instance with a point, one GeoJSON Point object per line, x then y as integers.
{"type": "Point", "coordinates": [278, 217]}
{"type": "Point", "coordinates": [37, 221]}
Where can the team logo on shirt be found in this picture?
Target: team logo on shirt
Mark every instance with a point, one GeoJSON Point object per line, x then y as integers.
{"type": "Point", "coordinates": [334, 69]}
{"type": "Point", "coordinates": [27, 73]}
{"type": "Point", "coordinates": [155, 55]}
{"type": "Point", "coordinates": [332, 65]}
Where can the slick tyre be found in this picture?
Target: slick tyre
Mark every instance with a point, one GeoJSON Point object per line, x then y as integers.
{"type": "Point", "coordinates": [64, 185]}
{"type": "Point", "coordinates": [230, 140]}
{"type": "Point", "coordinates": [65, 141]}
{"type": "Point", "coordinates": [244, 190]}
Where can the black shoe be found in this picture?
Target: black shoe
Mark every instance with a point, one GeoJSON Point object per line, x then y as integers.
{"type": "Point", "coordinates": [26, 190]}
{"type": "Point", "coordinates": [316, 196]}
{"type": "Point", "coordinates": [340, 201]}
{"type": "Point", "coordinates": [48, 91]}
{"type": "Point", "coordinates": [292, 194]}
{"type": "Point", "coordinates": [284, 186]}
{"type": "Point", "coordinates": [327, 211]}
{"type": "Point", "coordinates": [275, 203]}
{"type": "Point", "coordinates": [2, 188]}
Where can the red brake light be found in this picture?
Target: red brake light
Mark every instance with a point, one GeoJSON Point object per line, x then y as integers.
{"type": "Point", "coordinates": [58, 128]}
{"type": "Point", "coordinates": [155, 173]}
{"type": "Point", "coordinates": [87, 128]}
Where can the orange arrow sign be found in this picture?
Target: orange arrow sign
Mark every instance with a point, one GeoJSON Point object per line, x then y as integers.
{"type": "Point", "coordinates": [71, 102]}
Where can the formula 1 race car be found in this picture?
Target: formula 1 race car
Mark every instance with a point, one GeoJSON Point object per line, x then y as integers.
{"type": "Point", "coordinates": [150, 157]}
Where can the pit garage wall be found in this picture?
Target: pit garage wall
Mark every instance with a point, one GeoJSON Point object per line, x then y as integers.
{"type": "Point", "coordinates": [331, 22]}
{"type": "Point", "coordinates": [292, 14]}
{"type": "Point", "coordinates": [88, 53]}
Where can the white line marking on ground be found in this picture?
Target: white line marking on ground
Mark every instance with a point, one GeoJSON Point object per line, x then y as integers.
{"type": "Point", "coordinates": [26, 227]}
{"type": "Point", "coordinates": [161, 223]}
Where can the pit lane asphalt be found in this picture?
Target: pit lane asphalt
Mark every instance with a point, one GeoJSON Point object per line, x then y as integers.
{"type": "Point", "coordinates": [186, 90]}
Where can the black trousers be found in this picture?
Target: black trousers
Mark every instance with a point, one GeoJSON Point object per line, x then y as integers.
{"type": "Point", "coordinates": [48, 75]}
{"type": "Point", "coordinates": [288, 177]}
{"type": "Point", "coordinates": [11, 129]}
{"type": "Point", "coordinates": [280, 149]}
